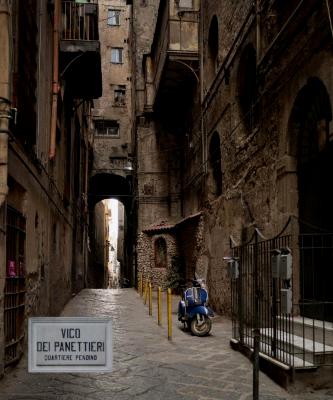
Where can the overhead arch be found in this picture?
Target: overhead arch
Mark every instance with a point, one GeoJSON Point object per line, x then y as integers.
{"type": "Point", "coordinates": [106, 186]}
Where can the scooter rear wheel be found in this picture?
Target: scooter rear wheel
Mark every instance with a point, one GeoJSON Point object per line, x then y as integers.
{"type": "Point", "coordinates": [201, 327]}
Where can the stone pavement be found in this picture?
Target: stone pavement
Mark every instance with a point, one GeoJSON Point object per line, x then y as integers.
{"type": "Point", "coordinates": [147, 365]}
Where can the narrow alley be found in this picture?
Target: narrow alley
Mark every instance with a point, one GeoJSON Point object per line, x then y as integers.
{"type": "Point", "coordinates": [146, 364]}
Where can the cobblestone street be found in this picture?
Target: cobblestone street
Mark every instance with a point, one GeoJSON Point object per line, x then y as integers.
{"type": "Point", "coordinates": [146, 365]}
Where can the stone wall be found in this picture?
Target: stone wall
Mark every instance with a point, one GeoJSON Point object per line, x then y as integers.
{"type": "Point", "coordinates": [259, 182]}
{"type": "Point", "coordinates": [146, 257]}
{"type": "Point", "coordinates": [246, 100]}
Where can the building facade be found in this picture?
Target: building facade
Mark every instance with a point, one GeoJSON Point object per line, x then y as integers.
{"type": "Point", "coordinates": [49, 49]}
{"type": "Point", "coordinates": [234, 153]}
{"type": "Point", "coordinates": [111, 172]}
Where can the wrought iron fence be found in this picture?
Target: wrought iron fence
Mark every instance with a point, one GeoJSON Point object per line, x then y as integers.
{"type": "Point", "coordinates": [79, 21]}
{"type": "Point", "coordinates": [301, 337]}
{"type": "Point", "coordinates": [14, 294]}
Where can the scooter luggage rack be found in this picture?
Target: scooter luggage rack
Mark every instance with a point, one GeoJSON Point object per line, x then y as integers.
{"type": "Point", "coordinates": [194, 296]}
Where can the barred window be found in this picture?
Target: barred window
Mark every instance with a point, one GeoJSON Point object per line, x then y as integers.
{"type": "Point", "coordinates": [107, 128]}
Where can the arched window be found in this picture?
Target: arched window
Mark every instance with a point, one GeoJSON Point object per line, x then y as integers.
{"type": "Point", "coordinates": [309, 122]}
{"type": "Point", "coordinates": [247, 85]}
{"type": "Point", "coordinates": [215, 165]}
{"type": "Point", "coordinates": [213, 48]}
{"type": "Point", "coordinates": [160, 253]}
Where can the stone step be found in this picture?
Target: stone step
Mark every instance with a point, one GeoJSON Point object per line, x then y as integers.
{"type": "Point", "coordinates": [281, 357]}
{"type": "Point", "coordinates": [303, 348]}
{"type": "Point", "coordinates": [319, 331]}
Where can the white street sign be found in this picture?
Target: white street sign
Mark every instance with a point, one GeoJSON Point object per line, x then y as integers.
{"type": "Point", "coordinates": [70, 344]}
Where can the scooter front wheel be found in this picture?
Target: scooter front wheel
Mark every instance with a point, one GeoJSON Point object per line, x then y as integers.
{"type": "Point", "coordinates": [201, 325]}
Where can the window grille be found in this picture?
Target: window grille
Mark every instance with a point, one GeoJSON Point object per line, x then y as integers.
{"type": "Point", "coordinates": [117, 55]}
{"type": "Point", "coordinates": [14, 294]}
{"type": "Point", "coordinates": [114, 17]}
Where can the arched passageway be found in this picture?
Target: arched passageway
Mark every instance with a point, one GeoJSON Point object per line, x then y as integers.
{"type": "Point", "coordinates": [312, 146]}
{"type": "Point", "coordinates": [102, 187]}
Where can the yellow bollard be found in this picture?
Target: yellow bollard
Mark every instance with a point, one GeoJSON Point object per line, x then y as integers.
{"type": "Point", "coordinates": [169, 314]}
{"type": "Point", "coordinates": [141, 284]}
{"type": "Point", "coordinates": [159, 306]}
{"type": "Point", "coordinates": [150, 299]}
{"type": "Point", "coordinates": [146, 292]}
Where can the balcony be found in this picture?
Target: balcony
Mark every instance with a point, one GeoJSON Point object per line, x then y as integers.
{"type": "Point", "coordinates": [80, 58]}
{"type": "Point", "coordinates": [172, 66]}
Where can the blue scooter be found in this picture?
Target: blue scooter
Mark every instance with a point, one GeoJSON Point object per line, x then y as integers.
{"type": "Point", "coordinates": [193, 311]}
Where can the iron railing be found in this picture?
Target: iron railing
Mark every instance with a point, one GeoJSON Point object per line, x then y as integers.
{"type": "Point", "coordinates": [79, 21]}
{"type": "Point", "coordinates": [302, 338]}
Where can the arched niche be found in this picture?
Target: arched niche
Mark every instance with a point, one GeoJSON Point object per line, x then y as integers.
{"type": "Point", "coordinates": [160, 253]}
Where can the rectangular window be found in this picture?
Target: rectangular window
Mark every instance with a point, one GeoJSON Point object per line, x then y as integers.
{"type": "Point", "coordinates": [114, 17]}
{"type": "Point", "coordinates": [107, 128]}
{"type": "Point", "coordinates": [119, 96]}
{"type": "Point", "coordinates": [116, 55]}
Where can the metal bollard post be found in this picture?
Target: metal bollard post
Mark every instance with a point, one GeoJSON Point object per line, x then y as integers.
{"type": "Point", "coordinates": [141, 284]}
{"type": "Point", "coordinates": [146, 292]}
{"type": "Point", "coordinates": [159, 306]}
{"type": "Point", "coordinates": [169, 314]}
{"type": "Point", "coordinates": [150, 299]}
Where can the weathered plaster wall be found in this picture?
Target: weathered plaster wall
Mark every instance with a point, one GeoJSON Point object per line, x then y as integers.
{"type": "Point", "coordinates": [109, 152]}
{"type": "Point", "coordinates": [158, 168]}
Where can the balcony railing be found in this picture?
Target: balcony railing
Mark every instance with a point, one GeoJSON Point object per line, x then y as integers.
{"type": "Point", "coordinates": [79, 21]}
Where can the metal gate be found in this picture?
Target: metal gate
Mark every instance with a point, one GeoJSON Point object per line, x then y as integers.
{"type": "Point", "coordinates": [291, 337]}
{"type": "Point", "coordinates": [14, 295]}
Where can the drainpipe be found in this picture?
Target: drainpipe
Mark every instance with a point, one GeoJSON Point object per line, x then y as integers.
{"type": "Point", "coordinates": [202, 125]}
{"type": "Point", "coordinates": [55, 80]}
{"type": "Point", "coordinates": [5, 64]}
{"type": "Point", "coordinates": [258, 30]}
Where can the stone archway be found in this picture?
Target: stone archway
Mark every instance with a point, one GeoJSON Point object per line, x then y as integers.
{"type": "Point", "coordinates": [312, 148]}
{"type": "Point", "coordinates": [104, 186]}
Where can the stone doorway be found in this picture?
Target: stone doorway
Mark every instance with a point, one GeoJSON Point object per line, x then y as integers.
{"type": "Point", "coordinates": [313, 148]}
